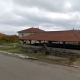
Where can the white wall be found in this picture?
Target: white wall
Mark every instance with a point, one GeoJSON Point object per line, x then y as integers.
{"type": "Point", "coordinates": [24, 34]}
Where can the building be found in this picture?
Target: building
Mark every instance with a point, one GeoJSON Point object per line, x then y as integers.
{"type": "Point", "coordinates": [55, 36]}
{"type": "Point", "coordinates": [29, 31]}
{"type": "Point", "coordinates": [62, 40]}
{"type": "Point", "coordinates": [60, 37]}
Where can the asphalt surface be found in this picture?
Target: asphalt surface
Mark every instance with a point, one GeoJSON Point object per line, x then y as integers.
{"type": "Point", "coordinates": [12, 68]}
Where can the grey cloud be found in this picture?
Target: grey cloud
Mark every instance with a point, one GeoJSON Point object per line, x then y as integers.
{"type": "Point", "coordinates": [18, 16]}
{"type": "Point", "coordinates": [18, 23]}
{"type": "Point", "coordinates": [13, 20]}
{"type": "Point", "coordinates": [36, 19]}
{"type": "Point", "coordinates": [31, 19]}
{"type": "Point", "coordinates": [75, 5]}
{"type": "Point", "coordinates": [49, 5]}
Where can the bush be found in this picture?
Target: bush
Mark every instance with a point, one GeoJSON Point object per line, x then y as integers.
{"type": "Point", "coordinates": [8, 39]}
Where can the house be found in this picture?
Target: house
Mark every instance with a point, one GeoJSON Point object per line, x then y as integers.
{"type": "Point", "coordinates": [29, 31]}
{"type": "Point", "coordinates": [60, 37]}
{"type": "Point", "coordinates": [62, 40]}
{"type": "Point", "coordinates": [55, 36]}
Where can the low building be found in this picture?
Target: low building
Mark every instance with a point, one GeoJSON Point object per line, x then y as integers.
{"type": "Point", "coordinates": [61, 37]}
{"type": "Point", "coordinates": [55, 36]}
{"type": "Point", "coordinates": [68, 39]}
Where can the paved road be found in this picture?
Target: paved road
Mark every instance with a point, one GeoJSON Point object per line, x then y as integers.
{"type": "Point", "coordinates": [12, 68]}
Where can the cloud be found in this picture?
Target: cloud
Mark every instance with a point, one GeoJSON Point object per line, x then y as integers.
{"type": "Point", "coordinates": [50, 5]}
{"type": "Point", "coordinates": [46, 14]}
{"type": "Point", "coordinates": [38, 17]}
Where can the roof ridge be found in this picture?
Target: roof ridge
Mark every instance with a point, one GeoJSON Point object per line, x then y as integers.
{"type": "Point", "coordinates": [35, 30]}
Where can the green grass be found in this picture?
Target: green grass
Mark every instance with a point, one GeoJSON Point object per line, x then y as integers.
{"type": "Point", "coordinates": [41, 56]}
{"type": "Point", "coordinates": [18, 50]}
{"type": "Point", "coordinates": [10, 48]}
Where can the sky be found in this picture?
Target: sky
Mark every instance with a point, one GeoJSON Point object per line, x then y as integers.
{"type": "Point", "coordinates": [49, 15]}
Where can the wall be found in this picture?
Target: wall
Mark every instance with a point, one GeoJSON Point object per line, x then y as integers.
{"type": "Point", "coordinates": [24, 34]}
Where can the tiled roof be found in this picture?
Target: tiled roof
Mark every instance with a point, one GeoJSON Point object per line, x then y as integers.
{"type": "Point", "coordinates": [71, 35]}
{"type": "Point", "coordinates": [33, 30]}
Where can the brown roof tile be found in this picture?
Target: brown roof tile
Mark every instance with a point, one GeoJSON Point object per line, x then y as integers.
{"type": "Point", "coordinates": [33, 30]}
{"type": "Point", "coordinates": [71, 35]}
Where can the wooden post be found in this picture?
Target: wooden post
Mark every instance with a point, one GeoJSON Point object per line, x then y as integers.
{"type": "Point", "coordinates": [39, 41]}
{"type": "Point", "coordinates": [50, 42]}
{"type": "Point", "coordinates": [64, 44]}
{"type": "Point", "coordinates": [59, 42]}
{"type": "Point", "coordinates": [30, 41]}
{"type": "Point", "coordinates": [14, 45]}
{"type": "Point", "coordinates": [22, 41]}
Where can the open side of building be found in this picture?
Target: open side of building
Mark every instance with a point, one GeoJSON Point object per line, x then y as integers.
{"type": "Point", "coordinates": [63, 37]}
{"type": "Point", "coordinates": [68, 39]}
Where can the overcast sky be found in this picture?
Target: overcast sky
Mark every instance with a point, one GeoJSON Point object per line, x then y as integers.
{"type": "Point", "coordinates": [49, 15]}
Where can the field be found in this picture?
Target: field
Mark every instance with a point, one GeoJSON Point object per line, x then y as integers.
{"type": "Point", "coordinates": [16, 49]}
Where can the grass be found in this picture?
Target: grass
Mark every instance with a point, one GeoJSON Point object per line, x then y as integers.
{"type": "Point", "coordinates": [10, 48]}
{"type": "Point", "coordinates": [41, 56]}
{"type": "Point", "coordinates": [17, 49]}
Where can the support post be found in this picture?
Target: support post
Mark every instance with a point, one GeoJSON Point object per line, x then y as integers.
{"type": "Point", "coordinates": [64, 44]}
{"type": "Point", "coordinates": [30, 41]}
{"type": "Point", "coordinates": [39, 41]}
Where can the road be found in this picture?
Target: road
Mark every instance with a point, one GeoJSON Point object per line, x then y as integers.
{"type": "Point", "coordinates": [12, 68]}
